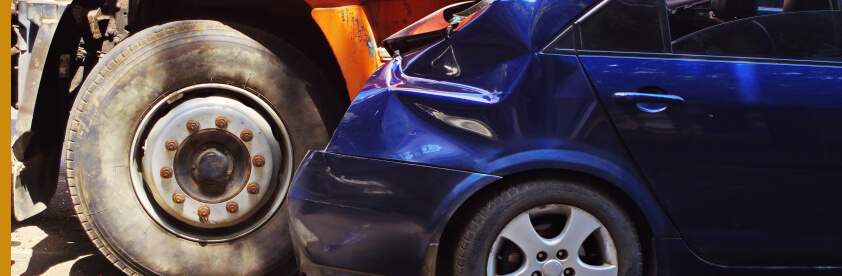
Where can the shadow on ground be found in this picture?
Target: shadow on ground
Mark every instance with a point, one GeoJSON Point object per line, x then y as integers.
{"type": "Point", "coordinates": [54, 243]}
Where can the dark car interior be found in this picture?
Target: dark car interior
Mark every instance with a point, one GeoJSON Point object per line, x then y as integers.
{"type": "Point", "coordinates": [764, 29]}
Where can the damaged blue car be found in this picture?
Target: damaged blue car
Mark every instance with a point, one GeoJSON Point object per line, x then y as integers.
{"type": "Point", "coordinates": [588, 137]}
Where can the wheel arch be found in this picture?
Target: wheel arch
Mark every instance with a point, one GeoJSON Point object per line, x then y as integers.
{"type": "Point", "coordinates": [649, 219]}
{"type": "Point", "coordinates": [43, 107]}
{"type": "Point", "coordinates": [292, 24]}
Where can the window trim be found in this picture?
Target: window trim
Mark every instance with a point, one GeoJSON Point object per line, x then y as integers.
{"type": "Point", "coordinates": [710, 58]}
{"type": "Point", "coordinates": [574, 25]}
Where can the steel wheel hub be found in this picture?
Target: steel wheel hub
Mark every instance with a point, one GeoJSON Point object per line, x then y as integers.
{"type": "Point", "coordinates": [198, 161]}
{"type": "Point", "coordinates": [212, 165]}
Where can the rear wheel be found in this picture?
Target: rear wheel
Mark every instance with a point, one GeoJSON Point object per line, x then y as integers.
{"type": "Point", "coordinates": [182, 144]}
{"type": "Point", "coordinates": [548, 228]}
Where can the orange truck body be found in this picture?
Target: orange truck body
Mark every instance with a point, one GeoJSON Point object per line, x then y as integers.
{"type": "Point", "coordinates": [353, 29]}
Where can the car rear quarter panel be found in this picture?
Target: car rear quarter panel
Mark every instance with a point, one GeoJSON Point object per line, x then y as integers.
{"type": "Point", "coordinates": [506, 109]}
{"type": "Point", "coordinates": [369, 215]}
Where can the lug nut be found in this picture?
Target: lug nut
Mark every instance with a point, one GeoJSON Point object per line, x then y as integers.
{"type": "Point", "coordinates": [178, 197]}
{"type": "Point", "coordinates": [192, 125]}
{"type": "Point", "coordinates": [221, 122]}
{"type": "Point", "coordinates": [569, 272]}
{"type": "Point", "coordinates": [204, 211]}
{"type": "Point", "coordinates": [536, 273]}
{"type": "Point", "coordinates": [258, 160]}
{"type": "Point", "coordinates": [253, 188]}
{"type": "Point", "coordinates": [232, 207]}
{"type": "Point", "coordinates": [166, 172]}
{"type": "Point", "coordinates": [542, 256]}
{"type": "Point", "coordinates": [561, 254]}
{"type": "Point", "coordinates": [246, 135]}
{"type": "Point", "coordinates": [172, 145]}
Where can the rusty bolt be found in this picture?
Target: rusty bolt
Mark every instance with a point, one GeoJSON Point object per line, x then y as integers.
{"type": "Point", "coordinates": [232, 207]}
{"type": "Point", "coordinates": [172, 145]}
{"type": "Point", "coordinates": [258, 160]}
{"type": "Point", "coordinates": [166, 172]}
{"type": "Point", "coordinates": [221, 122]}
{"type": "Point", "coordinates": [253, 188]}
{"type": "Point", "coordinates": [192, 125]}
{"type": "Point", "coordinates": [246, 135]}
{"type": "Point", "coordinates": [178, 197]}
{"type": "Point", "coordinates": [204, 211]}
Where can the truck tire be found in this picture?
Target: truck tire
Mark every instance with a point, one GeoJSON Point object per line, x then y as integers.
{"type": "Point", "coordinates": [182, 143]}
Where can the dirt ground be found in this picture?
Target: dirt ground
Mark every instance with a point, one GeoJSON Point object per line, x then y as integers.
{"type": "Point", "coordinates": [53, 242]}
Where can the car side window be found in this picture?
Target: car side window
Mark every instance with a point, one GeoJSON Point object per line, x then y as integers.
{"type": "Point", "coordinates": [797, 29]}
{"type": "Point", "coordinates": [626, 26]}
{"type": "Point", "coordinates": [774, 4]}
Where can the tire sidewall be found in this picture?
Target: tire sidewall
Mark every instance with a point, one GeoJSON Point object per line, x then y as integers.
{"type": "Point", "coordinates": [502, 209]}
{"type": "Point", "coordinates": [136, 74]}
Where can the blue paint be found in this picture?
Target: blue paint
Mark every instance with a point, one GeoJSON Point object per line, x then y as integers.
{"type": "Point", "coordinates": [739, 178]}
{"type": "Point", "coordinates": [754, 142]}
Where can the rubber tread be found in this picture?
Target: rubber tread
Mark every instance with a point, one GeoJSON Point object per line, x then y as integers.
{"type": "Point", "coordinates": [81, 107]}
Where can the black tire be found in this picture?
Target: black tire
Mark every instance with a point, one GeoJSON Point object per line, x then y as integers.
{"type": "Point", "coordinates": [142, 70]}
{"type": "Point", "coordinates": [476, 237]}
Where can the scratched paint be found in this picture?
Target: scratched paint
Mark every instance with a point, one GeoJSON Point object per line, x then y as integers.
{"type": "Point", "coordinates": [349, 34]}
{"type": "Point", "coordinates": [356, 31]}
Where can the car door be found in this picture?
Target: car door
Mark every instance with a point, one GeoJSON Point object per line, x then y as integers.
{"type": "Point", "coordinates": [736, 126]}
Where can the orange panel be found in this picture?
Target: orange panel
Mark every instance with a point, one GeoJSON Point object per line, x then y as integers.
{"type": "Point", "coordinates": [331, 3]}
{"type": "Point", "coordinates": [390, 16]}
{"type": "Point", "coordinates": [353, 43]}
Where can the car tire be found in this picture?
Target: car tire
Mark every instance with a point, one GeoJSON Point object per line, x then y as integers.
{"type": "Point", "coordinates": [146, 78]}
{"type": "Point", "coordinates": [524, 230]}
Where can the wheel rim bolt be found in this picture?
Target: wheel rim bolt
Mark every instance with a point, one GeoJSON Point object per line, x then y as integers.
{"type": "Point", "coordinates": [246, 135]}
{"type": "Point", "coordinates": [253, 188]}
{"type": "Point", "coordinates": [258, 160]}
{"type": "Point", "coordinates": [166, 172]}
{"type": "Point", "coordinates": [178, 197]}
{"type": "Point", "coordinates": [542, 256]}
{"type": "Point", "coordinates": [232, 207]}
{"type": "Point", "coordinates": [171, 145]}
{"type": "Point", "coordinates": [569, 272]}
{"type": "Point", "coordinates": [192, 125]}
{"type": "Point", "coordinates": [221, 122]}
{"type": "Point", "coordinates": [562, 254]}
{"type": "Point", "coordinates": [204, 211]}
{"type": "Point", "coordinates": [536, 273]}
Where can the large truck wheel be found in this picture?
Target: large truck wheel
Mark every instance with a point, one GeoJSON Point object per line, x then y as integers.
{"type": "Point", "coordinates": [182, 143]}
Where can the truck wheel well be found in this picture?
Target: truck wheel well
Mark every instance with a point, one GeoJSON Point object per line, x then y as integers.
{"type": "Point", "coordinates": [474, 203]}
{"type": "Point", "coordinates": [291, 22]}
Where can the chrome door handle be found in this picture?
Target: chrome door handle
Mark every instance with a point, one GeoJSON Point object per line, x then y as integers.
{"type": "Point", "coordinates": [634, 97]}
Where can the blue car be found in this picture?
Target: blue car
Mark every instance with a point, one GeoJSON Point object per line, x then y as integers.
{"type": "Point", "coordinates": [588, 137]}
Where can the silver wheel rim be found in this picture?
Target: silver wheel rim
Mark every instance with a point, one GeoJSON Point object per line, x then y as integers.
{"type": "Point", "coordinates": [556, 254]}
{"type": "Point", "coordinates": [240, 211]}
